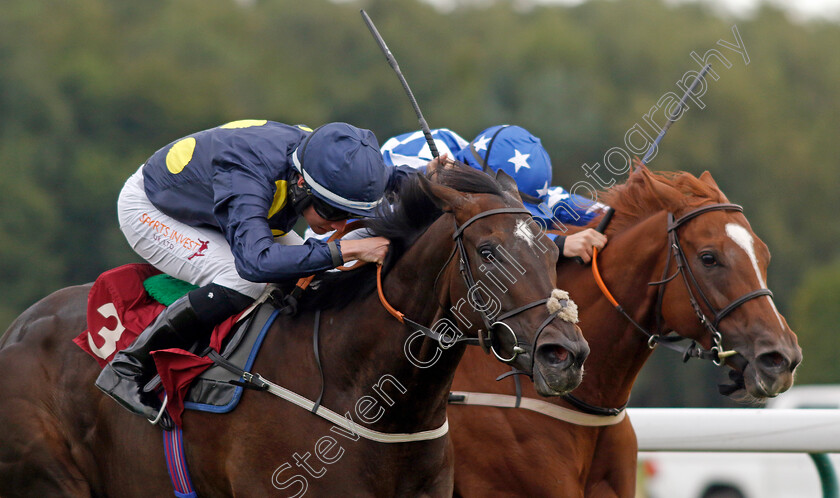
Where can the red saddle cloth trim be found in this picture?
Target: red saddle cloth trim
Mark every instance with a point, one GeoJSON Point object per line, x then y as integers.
{"type": "Point", "coordinates": [119, 310]}
{"type": "Point", "coordinates": [177, 369]}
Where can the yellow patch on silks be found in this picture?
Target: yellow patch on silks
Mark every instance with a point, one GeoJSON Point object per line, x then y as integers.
{"type": "Point", "coordinates": [244, 123]}
{"type": "Point", "coordinates": [279, 201]}
{"type": "Point", "coordinates": [179, 155]}
{"type": "Point", "coordinates": [561, 302]}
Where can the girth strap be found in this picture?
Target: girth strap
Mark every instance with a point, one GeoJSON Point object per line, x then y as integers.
{"type": "Point", "coordinates": [315, 349]}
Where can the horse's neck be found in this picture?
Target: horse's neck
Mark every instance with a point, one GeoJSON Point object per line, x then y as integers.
{"type": "Point", "coordinates": [362, 347]}
{"type": "Point", "coordinates": [633, 258]}
{"type": "Point", "coordinates": [418, 287]}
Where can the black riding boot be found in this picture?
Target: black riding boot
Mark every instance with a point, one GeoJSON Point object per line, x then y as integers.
{"type": "Point", "coordinates": [124, 377]}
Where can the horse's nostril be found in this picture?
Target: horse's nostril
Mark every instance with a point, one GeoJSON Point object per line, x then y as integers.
{"type": "Point", "coordinates": [553, 354]}
{"type": "Point", "coordinates": [774, 361]}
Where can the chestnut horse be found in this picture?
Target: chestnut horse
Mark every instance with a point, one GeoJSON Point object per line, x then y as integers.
{"type": "Point", "coordinates": [59, 436]}
{"type": "Point", "coordinates": [520, 452]}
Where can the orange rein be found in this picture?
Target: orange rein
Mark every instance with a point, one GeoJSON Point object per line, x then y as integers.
{"type": "Point", "coordinates": [600, 281]}
{"type": "Point", "coordinates": [304, 282]}
{"type": "Point", "coordinates": [390, 309]}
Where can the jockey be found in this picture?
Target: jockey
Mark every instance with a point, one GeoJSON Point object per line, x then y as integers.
{"type": "Point", "coordinates": [412, 149]}
{"type": "Point", "coordinates": [521, 155]}
{"type": "Point", "coordinates": [207, 208]}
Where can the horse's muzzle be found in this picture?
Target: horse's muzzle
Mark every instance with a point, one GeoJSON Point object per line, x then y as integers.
{"type": "Point", "coordinates": [558, 367]}
{"type": "Point", "coordinates": [771, 372]}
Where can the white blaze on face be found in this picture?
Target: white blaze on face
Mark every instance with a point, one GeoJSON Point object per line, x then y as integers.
{"type": "Point", "coordinates": [523, 231]}
{"type": "Point", "coordinates": [745, 241]}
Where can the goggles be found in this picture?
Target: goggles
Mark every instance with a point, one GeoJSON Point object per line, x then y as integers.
{"type": "Point", "coordinates": [328, 211]}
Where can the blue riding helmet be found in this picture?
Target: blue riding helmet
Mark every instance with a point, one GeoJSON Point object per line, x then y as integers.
{"type": "Point", "coordinates": [411, 149]}
{"type": "Point", "coordinates": [520, 154]}
{"type": "Point", "coordinates": [343, 167]}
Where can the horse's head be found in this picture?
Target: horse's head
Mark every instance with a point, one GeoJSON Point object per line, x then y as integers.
{"type": "Point", "coordinates": [722, 287]}
{"type": "Point", "coordinates": [501, 279]}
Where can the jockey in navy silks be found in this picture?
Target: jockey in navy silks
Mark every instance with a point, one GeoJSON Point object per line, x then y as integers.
{"type": "Point", "coordinates": [521, 155]}
{"type": "Point", "coordinates": [216, 209]}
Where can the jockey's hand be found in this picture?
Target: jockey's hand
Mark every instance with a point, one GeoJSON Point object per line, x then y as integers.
{"type": "Point", "coordinates": [580, 244]}
{"type": "Point", "coordinates": [439, 163]}
{"type": "Point", "coordinates": [370, 249]}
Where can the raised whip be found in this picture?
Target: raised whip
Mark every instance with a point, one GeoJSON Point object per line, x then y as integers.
{"type": "Point", "coordinates": [673, 116]}
{"type": "Point", "coordinates": [396, 67]}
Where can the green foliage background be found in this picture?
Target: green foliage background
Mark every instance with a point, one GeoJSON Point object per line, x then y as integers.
{"type": "Point", "coordinates": [90, 88]}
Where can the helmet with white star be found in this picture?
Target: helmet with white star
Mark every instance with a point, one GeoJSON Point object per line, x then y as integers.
{"type": "Point", "coordinates": [519, 153]}
{"type": "Point", "coordinates": [412, 149]}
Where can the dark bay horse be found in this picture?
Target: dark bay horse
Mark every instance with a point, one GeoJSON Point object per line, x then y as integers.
{"type": "Point", "coordinates": [516, 452]}
{"type": "Point", "coordinates": [59, 436]}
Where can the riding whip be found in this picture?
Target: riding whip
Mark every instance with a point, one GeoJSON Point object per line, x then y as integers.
{"type": "Point", "coordinates": [393, 63]}
{"type": "Point", "coordinates": [673, 116]}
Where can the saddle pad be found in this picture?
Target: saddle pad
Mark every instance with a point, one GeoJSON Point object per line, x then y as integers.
{"type": "Point", "coordinates": [212, 390]}
{"type": "Point", "coordinates": [119, 309]}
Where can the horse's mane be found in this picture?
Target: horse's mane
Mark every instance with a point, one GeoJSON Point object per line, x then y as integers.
{"type": "Point", "coordinates": [646, 193]}
{"type": "Point", "coordinates": [414, 211]}
{"type": "Point", "coordinates": [402, 221]}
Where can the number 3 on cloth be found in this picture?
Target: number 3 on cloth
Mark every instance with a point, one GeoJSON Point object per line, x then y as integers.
{"type": "Point", "coordinates": [111, 336]}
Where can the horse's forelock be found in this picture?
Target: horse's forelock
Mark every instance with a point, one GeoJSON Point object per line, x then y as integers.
{"type": "Point", "coordinates": [412, 211]}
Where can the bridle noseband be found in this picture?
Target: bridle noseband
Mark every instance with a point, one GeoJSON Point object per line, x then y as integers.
{"type": "Point", "coordinates": [716, 354]}
{"type": "Point", "coordinates": [494, 328]}
{"type": "Point", "coordinates": [684, 269]}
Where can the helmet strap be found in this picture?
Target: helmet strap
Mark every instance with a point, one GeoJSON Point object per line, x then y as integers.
{"type": "Point", "coordinates": [300, 197]}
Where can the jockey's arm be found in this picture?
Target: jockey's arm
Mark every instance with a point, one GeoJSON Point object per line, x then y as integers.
{"type": "Point", "coordinates": [257, 256]}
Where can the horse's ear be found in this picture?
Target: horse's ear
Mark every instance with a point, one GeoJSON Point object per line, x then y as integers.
{"type": "Point", "coordinates": [447, 199]}
{"type": "Point", "coordinates": [508, 184]}
{"type": "Point", "coordinates": [706, 178]}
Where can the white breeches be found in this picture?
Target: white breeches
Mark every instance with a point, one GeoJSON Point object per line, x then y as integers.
{"type": "Point", "coordinates": [196, 255]}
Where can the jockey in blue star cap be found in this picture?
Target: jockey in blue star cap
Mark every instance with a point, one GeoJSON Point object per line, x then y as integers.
{"type": "Point", "coordinates": [412, 149]}
{"type": "Point", "coordinates": [521, 155]}
{"type": "Point", "coordinates": [216, 209]}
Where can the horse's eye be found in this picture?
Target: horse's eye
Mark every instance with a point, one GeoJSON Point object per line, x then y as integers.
{"type": "Point", "coordinates": [708, 259]}
{"type": "Point", "coordinates": [486, 253]}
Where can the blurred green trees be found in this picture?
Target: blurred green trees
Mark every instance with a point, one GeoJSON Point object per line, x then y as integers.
{"type": "Point", "coordinates": [816, 320]}
{"type": "Point", "coordinates": [90, 88]}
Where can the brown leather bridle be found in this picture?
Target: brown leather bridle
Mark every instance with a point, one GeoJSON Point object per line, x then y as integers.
{"type": "Point", "coordinates": [490, 343]}
{"type": "Point", "coordinates": [716, 354]}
